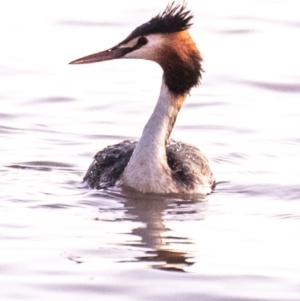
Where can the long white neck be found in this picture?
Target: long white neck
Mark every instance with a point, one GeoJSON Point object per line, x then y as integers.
{"type": "Point", "coordinates": [148, 170]}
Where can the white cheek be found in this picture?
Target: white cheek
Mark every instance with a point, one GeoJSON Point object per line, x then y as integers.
{"type": "Point", "coordinates": [150, 51]}
{"type": "Point", "coordinates": [145, 53]}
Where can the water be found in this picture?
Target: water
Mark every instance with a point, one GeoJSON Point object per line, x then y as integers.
{"type": "Point", "coordinates": [62, 241]}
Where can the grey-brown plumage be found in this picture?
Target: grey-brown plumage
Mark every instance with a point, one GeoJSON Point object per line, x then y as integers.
{"type": "Point", "coordinates": [109, 164]}
{"type": "Point", "coordinates": [186, 162]}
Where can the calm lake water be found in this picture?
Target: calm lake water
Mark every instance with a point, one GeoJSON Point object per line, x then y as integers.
{"type": "Point", "coordinates": [60, 240]}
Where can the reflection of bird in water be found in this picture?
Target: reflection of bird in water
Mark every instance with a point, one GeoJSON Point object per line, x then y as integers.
{"type": "Point", "coordinates": [156, 164]}
{"type": "Point", "coordinates": [165, 249]}
{"type": "Point", "coordinates": [167, 260]}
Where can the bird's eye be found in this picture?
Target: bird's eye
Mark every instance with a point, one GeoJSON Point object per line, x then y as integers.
{"type": "Point", "coordinates": [142, 41]}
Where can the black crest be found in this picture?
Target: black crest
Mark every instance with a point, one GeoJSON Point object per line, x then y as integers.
{"type": "Point", "coordinates": [176, 17]}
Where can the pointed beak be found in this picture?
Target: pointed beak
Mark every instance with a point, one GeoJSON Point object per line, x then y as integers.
{"type": "Point", "coordinates": [110, 54]}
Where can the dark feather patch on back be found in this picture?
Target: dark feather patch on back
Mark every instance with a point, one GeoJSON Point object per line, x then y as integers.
{"type": "Point", "coordinates": [186, 162]}
{"type": "Point", "coordinates": [109, 164]}
{"type": "Point", "coordinates": [173, 19]}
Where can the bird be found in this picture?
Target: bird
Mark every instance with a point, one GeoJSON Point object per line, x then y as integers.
{"type": "Point", "coordinates": [157, 164]}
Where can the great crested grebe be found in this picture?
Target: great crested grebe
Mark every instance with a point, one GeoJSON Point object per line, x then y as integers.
{"type": "Point", "coordinates": [156, 164]}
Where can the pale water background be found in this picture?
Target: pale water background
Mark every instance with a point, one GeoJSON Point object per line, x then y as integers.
{"type": "Point", "coordinates": [62, 241]}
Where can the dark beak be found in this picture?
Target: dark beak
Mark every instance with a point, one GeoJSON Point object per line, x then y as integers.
{"type": "Point", "coordinates": [110, 54]}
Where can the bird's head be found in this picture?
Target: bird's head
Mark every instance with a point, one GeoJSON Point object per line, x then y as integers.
{"type": "Point", "coordinates": [165, 40]}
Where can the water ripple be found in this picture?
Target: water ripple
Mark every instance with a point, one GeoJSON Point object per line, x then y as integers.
{"type": "Point", "coordinates": [41, 165]}
{"type": "Point", "coordinates": [276, 87]}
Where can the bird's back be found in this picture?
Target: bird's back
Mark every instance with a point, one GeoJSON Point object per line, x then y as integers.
{"type": "Point", "coordinates": [109, 164]}
{"type": "Point", "coordinates": [189, 166]}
